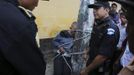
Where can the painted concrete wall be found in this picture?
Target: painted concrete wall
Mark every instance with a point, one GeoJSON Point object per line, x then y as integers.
{"type": "Point", "coordinates": [55, 15]}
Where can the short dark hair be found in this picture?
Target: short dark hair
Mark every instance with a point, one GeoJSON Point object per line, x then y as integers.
{"type": "Point", "coordinates": [114, 4]}
{"type": "Point", "coordinates": [123, 14]}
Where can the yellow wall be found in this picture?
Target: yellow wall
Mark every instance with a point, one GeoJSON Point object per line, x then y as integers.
{"type": "Point", "coordinates": [55, 15]}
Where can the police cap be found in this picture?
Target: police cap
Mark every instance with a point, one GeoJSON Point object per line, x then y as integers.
{"type": "Point", "coordinates": [99, 4]}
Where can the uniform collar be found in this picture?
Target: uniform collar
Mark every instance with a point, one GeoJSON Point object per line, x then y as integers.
{"type": "Point", "coordinates": [105, 20]}
{"type": "Point", "coordinates": [27, 12]}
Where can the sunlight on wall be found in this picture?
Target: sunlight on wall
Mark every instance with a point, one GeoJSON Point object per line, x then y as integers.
{"type": "Point", "coordinates": [55, 15]}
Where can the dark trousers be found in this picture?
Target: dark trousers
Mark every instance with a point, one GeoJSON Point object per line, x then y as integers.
{"type": "Point", "coordinates": [96, 72]}
{"type": "Point", "coordinates": [117, 68]}
{"type": "Point", "coordinates": [60, 66]}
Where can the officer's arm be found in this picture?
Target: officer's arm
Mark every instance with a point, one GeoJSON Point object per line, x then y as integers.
{"type": "Point", "coordinates": [99, 59]}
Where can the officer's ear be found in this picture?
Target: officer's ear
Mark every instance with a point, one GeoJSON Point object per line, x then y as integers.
{"type": "Point", "coordinates": [107, 9]}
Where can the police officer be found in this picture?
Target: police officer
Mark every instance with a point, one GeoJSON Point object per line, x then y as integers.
{"type": "Point", "coordinates": [19, 53]}
{"type": "Point", "coordinates": [104, 38]}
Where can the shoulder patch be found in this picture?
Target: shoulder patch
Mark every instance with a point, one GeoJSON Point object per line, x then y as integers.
{"type": "Point", "coordinates": [110, 31]}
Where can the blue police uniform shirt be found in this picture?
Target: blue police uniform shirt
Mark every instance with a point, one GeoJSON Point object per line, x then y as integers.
{"type": "Point", "coordinates": [104, 38]}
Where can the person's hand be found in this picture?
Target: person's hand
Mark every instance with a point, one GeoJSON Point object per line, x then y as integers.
{"type": "Point", "coordinates": [130, 67]}
{"type": "Point", "coordinates": [84, 72]}
{"type": "Point", "coordinates": [61, 49]}
{"type": "Point", "coordinates": [117, 61]}
{"type": "Point", "coordinates": [85, 55]}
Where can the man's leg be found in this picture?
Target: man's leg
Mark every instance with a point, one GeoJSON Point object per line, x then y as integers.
{"type": "Point", "coordinates": [67, 70]}
{"type": "Point", "coordinates": [58, 66]}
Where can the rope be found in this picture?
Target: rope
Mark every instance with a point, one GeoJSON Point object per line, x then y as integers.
{"type": "Point", "coordinates": [56, 56]}
{"type": "Point", "coordinates": [77, 53]}
{"type": "Point", "coordinates": [75, 40]}
{"type": "Point", "coordinates": [74, 53]}
{"type": "Point", "coordinates": [67, 63]}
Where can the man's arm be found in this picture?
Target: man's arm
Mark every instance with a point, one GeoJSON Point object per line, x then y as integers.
{"type": "Point", "coordinates": [99, 59]}
{"type": "Point", "coordinates": [56, 41]}
{"type": "Point", "coordinates": [57, 44]}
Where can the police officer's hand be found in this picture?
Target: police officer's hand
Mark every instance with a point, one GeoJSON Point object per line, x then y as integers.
{"type": "Point", "coordinates": [85, 55]}
{"type": "Point", "coordinates": [84, 72]}
{"type": "Point", "coordinates": [130, 67]}
{"type": "Point", "coordinates": [61, 49]}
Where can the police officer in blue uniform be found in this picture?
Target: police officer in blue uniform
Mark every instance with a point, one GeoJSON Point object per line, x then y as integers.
{"type": "Point", "coordinates": [104, 38]}
{"type": "Point", "coordinates": [19, 53]}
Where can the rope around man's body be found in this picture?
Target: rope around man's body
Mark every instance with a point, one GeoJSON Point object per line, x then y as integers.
{"type": "Point", "coordinates": [74, 53]}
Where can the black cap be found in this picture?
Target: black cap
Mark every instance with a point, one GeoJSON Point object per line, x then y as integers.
{"type": "Point", "coordinates": [99, 4]}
